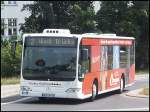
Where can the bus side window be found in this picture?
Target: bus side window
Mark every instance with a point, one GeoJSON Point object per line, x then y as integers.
{"type": "Point", "coordinates": [110, 57]}
{"type": "Point", "coordinates": [123, 56]}
{"type": "Point", "coordinates": [103, 58]}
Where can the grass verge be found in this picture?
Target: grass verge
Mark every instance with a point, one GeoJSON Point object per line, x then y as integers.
{"type": "Point", "coordinates": [10, 80]}
{"type": "Point", "coordinates": [142, 71]}
{"type": "Point", "coordinates": [145, 91]}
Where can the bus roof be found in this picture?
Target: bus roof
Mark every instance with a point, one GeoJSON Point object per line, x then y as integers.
{"type": "Point", "coordinates": [80, 36]}
{"type": "Point", "coordinates": [106, 36]}
{"type": "Point", "coordinates": [66, 33]}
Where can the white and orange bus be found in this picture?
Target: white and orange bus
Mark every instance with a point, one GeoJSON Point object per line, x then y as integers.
{"type": "Point", "coordinates": [58, 64]}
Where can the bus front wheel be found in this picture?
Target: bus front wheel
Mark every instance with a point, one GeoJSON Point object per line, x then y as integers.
{"type": "Point", "coordinates": [42, 98]}
{"type": "Point", "coordinates": [94, 92]}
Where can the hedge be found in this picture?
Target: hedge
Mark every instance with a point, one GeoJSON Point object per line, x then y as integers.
{"type": "Point", "coordinates": [10, 63]}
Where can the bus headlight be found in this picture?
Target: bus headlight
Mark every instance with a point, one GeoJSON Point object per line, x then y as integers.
{"type": "Point", "coordinates": [72, 90]}
{"type": "Point", "coordinates": [25, 88]}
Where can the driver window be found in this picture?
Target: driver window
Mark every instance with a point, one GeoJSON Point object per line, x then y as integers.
{"type": "Point", "coordinates": [84, 64]}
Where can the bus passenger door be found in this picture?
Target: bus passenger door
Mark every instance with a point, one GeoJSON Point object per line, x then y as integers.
{"type": "Point", "coordinates": [128, 65]}
{"type": "Point", "coordinates": [85, 68]}
{"type": "Point", "coordinates": [113, 66]}
{"type": "Point", "coordinates": [115, 76]}
{"type": "Point", "coordinates": [125, 61]}
{"type": "Point", "coordinates": [103, 67]}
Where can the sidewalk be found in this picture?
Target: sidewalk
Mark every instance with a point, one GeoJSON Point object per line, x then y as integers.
{"type": "Point", "coordinates": [135, 93]}
{"type": "Point", "coordinates": [9, 90]}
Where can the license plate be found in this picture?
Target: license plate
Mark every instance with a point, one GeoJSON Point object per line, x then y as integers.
{"type": "Point", "coordinates": [48, 95]}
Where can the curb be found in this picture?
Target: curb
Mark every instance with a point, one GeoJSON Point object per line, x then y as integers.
{"type": "Point", "coordinates": [135, 93]}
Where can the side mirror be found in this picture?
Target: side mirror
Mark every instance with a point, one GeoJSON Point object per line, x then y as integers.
{"type": "Point", "coordinates": [84, 54]}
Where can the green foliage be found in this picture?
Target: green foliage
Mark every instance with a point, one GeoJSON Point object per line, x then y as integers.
{"type": "Point", "coordinates": [75, 15]}
{"type": "Point", "coordinates": [10, 64]}
{"type": "Point", "coordinates": [10, 80]}
{"type": "Point", "coordinates": [82, 20]}
{"type": "Point", "coordinates": [41, 17]}
{"type": "Point", "coordinates": [141, 12]}
{"type": "Point", "coordinates": [127, 18]}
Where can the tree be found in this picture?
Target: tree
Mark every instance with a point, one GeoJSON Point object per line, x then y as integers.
{"type": "Point", "coordinates": [42, 16]}
{"type": "Point", "coordinates": [10, 65]}
{"type": "Point", "coordinates": [112, 17]}
{"type": "Point", "coordinates": [128, 18]}
{"type": "Point", "coordinates": [82, 20]}
{"type": "Point", "coordinates": [141, 13]}
{"type": "Point", "coordinates": [58, 14]}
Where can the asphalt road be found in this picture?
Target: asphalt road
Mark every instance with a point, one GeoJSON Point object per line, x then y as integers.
{"type": "Point", "coordinates": [109, 101]}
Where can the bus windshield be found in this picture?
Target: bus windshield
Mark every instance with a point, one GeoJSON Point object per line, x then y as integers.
{"type": "Point", "coordinates": [49, 58]}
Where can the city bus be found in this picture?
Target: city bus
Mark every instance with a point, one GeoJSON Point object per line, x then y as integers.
{"type": "Point", "coordinates": [58, 64]}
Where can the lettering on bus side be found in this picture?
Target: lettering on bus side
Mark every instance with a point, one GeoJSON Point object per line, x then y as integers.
{"type": "Point", "coordinates": [115, 42]}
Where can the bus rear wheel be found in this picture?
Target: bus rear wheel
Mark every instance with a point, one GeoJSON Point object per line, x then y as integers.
{"type": "Point", "coordinates": [121, 85]}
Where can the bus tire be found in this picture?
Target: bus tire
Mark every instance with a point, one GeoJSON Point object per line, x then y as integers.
{"type": "Point", "coordinates": [121, 85]}
{"type": "Point", "coordinates": [42, 98]}
{"type": "Point", "coordinates": [94, 91]}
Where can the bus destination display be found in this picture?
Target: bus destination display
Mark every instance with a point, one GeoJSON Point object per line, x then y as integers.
{"type": "Point", "coordinates": [50, 41]}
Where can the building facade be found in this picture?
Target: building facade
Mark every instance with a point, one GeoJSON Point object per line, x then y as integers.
{"type": "Point", "coordinates": [12, 17]}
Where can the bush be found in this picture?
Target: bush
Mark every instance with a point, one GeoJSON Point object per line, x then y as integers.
{"type": "Point", "coordinates": [10, 63]}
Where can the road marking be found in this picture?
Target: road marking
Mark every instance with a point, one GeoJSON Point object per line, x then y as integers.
{"type": "Point", "coordinates": [127, 109]}
{"type": "Point", "coordinates": [16, 101]}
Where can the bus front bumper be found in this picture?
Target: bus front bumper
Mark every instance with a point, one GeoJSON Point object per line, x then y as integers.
{"type": "Point", "coordinates": [73, 95]}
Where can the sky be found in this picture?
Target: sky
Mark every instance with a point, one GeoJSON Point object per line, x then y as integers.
{"type": "Point", "coordinates": [97, 5]}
